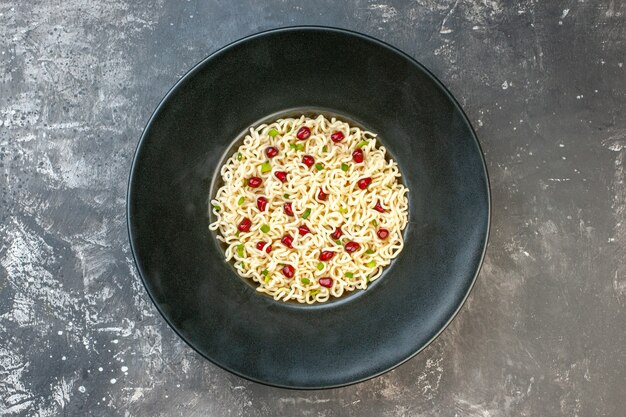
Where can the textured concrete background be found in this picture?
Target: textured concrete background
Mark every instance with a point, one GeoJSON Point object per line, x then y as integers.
{"type": "Point", "coordinates": [544, 331]}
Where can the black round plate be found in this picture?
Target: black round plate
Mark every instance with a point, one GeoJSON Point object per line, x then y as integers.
{"type": "Point", "coordinates": [182, 264]}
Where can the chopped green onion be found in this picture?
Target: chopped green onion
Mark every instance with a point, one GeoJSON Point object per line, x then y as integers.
{"type": "Point", "coordinates": [216, 207]}
{"type": "Point", "coordinates": [320, 265]}
{"type": "Point", "coordinates": [390, 187]}
{"type": "Point", "coordinates": [265, 272]}
{"type": "Point", "coordinates": [343, 210]}
{"type": "Point", "coordinates": [239, 156]}
{"type": "Point", "coordinates": [237, 233]}
{"type": "Point", "coordinates": [338, 242]}
{"type": "Point", "coordinates": [306, 214]}
{"type": "Point", "coordinates": [324, 149]}
{"type": "Point", "coordinates": [305, 281]}
{"type": "Point", "coordinates": [273, 133]}
{"type": "Point", "coordinates": [369, 252]}
{"type": "Point", "coordinates": [245, 182]}
{"type": "Point", "coordinates": [319, 166]}
{"type": "Point", "coordinates": [315, 292]}
{"type": "Point", "coordinates": [243, 265]}
{"type": "Point", "coordinates": [240, 250]}
{"type": "Point", "coordinates": [371, 264]}
{"type": "Point", "coordinates": [297, 146]}
{"type": "Point", "coordinates": [374, 222]}
{"type": "Point", "coordinates": [349, 275]}
{"type": "Point", "coordinates": [266, 167]}
{"type": "Point", "coordinates": [265, 228]}
{"type": "Point", "coordinates": [267, 278]}
{"type": "Point", "coordinates": [345, 167]}
{"type": "Point", "coordinates": [241, 201]}
{"type": "Point", "coordinates": [361, 144]}
{"type": "Point", "coordinates": [286, 195]}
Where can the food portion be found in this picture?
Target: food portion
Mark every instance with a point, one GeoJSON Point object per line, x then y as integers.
{"type": "Point", "coordinates": [310, 209]}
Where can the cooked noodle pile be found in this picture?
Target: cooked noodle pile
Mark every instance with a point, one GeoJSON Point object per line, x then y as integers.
{"type": "Point", "coordinates": [310, 208]}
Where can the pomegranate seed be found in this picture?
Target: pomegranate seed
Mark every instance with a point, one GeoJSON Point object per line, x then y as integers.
{"type": "Point", "coordinates": [271, 151]}
{"type": "Point", "coordinates": [261, 203]}
{"type": "Point", "coordinates": [357, 156]}
{"type": "Point", "coordinates": [352, 247]}
{"type": "Point", "coordinates": [382, 233]}
{"type": "Point", "coordinates": [326, 255]}
{"type": "Point", "coordinates": [364, 182]}
{"type": "Point", "coordinates": [336, 234]}
{"type": "Point", "coordinates": [281, 175]}
{"type": "Point", "coordinates": [289, 271]}
{"type": "Point", "coordinates": [260, 246]}
{"type": "Point", "coordinates": [337, 137]}
{"type": "Point", "coordinates": [308, 160]}
{"type": "Point", "coordinates": [244, 225]}
{"type": "Point", "coordinates": [326, 282]}
{"type": "Point", "coordinates": [254, 182]}
{"type": "Point", "coordinates": [288, 209]}
{"type": "Point", "coordinates": [303, 133]}
{"type": "Point", "coordinates": [322, 195]}
{"type": "Point", "coordinates": [287, 240]}
{"type": "Point", "coordinates": [303, 230]}
{"type": "Point", "coordinates": [378, 207]}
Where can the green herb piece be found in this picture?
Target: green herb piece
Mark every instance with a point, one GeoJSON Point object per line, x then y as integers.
{"type": "Point", "coordinates": [315, 292]}
{"type": "Point", "coordinates": [240, 250]}
{"type": "Point", "coordinates": [267, 278]}
{"type": "Point", "coordinates": [371, 264]}
{"type": "Point", "coordinates": [239, 156]}
{"type": "Point", "coordinates": [241, 200]}
{"type": "Point", "coordinates": [305, 281]}
{"type": "Point", "coordinates": [345, 167]}
{"type": "Point", "coordinates": [237, 233]}
{"type": "Point", "coordinates": [273, 133]}
{"type": "Point", "coordinates": [338, 242]}
{"type": "Point", "coordinates": [390, 187]}
{"type": "Point", "coordinates": [343, 210]}
{"type": "Point", "coordinates": [265, 228]}
{"type": "Point", "coordinates": [349, 275]}
{"type": "Point", "coordinates": [320, 265]}
{"type": "Point", "coordinates": [297, 146]}
{"type": "Point", "coordinates": [245, 182]}
{"type": "Point", "coordinates": [216, 207]}
{"type": "Point", "coordinates": [369, 252]}
{"type": "Point", "coordinates": [319, 166]}
{"type": "Point", "coordinates": [266, 167]}
{"type": "Point", "coordinates": [264, 272]}
{"type": "Point", "coordinates": [286, 195]}
{"type": "Point", "coordinates": [361, 144]}
{"type": "Point", "coordinates": [306, 213]}
{"type": "Point", "coordinates": [324, 149]}
{"type": "Point", "coordinates": [374, 222]}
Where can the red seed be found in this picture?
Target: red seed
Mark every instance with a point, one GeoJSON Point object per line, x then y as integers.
{"type": "Point", "coordinates": [303, 230]}
{"type": "Point", "coordinates": [260, 246]}
{"type": "Point", "coordinates": [303, 133]}
{"type": "Point", "coordinates": [281, 175]}
{"type": "Point", "coordinates": [244, 225]}
{"type": "Point", "coordinates": [322, 195]}
{"type": "Point", "coordinates": [337, 137]}
{"type": "Point", "coordinates": [271, 151]}
{"type": "Point", "coordinates": [352, 247]}
{"type": "Point", "coordinates": [287, 240]}
{"type": "Point", "coordinates": [382, 233]}
{"type": "Point", "coordinates": [357, 156]}
{"type": "Point", "coordinates": [326, 255]}
{"type": "Point", "coordinates": [308, 160]}
{"type": "Point", "coordinates": [288, 209]}
{"type": "Point", "coordinates": [289, 271]}
{"type": "Point", "coordinates": [254, 182]}
{"type": "Point", "coordinates": [326, 282]}
{"type": "Point", "coordinates": [336, 234]}
{"type": "Point", "coordinates": [261, 203]}
{"type": "Point", "coordinates": [364, 182]}
{"type": "Point", "coordinates": [378, 207]}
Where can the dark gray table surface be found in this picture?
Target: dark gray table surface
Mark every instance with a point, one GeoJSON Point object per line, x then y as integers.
{"type": "Point", "coordinates": [543, 332]}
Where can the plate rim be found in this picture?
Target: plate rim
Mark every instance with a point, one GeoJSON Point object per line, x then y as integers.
{"type": "Point", "coordinates": [294, 28]}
